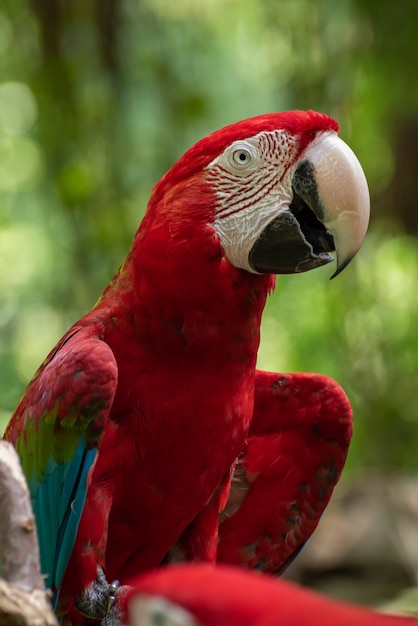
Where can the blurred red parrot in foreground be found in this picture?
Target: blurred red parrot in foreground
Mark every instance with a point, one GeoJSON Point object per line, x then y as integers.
{"type": "Point", "coordinates": [132, 427]}
{"type": "Point", "coordinates": [202, 595]}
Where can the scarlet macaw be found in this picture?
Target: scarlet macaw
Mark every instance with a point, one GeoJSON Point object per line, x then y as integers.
{"type": "Point", "coordinates": [202, 595]}
{"type": "Point", "coordinates": [130, 429]}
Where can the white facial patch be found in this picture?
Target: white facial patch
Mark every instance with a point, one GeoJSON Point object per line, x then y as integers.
{"type": "Point", "coordinates": [147, 610]}
{"type": "Point", "coordinates": [252, 179]}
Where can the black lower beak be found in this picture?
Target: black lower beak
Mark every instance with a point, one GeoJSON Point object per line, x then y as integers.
{"type": "Point", "coordinates": [296, 240]}
{"type": "Point", "coordinates": [285, 247]}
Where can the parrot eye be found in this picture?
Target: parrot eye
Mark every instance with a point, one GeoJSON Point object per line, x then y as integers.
{"type": "Point", "coordinates": [241, 157]}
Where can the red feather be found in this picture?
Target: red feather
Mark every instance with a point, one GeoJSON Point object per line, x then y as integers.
{"type": "Point", "coordinates": [183, 326]}
{"type": "Point", "coordinates": [295, 452]}
{"type": "Point", "coordinates": [223, 596]}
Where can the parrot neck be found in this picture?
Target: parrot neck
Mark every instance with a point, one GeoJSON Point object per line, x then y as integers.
{"type": "Point", "coordinates": [185, 297]}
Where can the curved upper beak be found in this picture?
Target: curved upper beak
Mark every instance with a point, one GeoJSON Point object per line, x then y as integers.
{"type": "Point", "coordinates": [341, 185]}
{"type": "Point", "coordinates": [330, 211]}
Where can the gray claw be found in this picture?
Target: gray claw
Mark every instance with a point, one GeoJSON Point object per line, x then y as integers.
{"type": "Point", "coordinates": [98, 599]}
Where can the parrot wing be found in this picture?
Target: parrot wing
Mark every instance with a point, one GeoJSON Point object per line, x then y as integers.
{"type": "Point", "coordinates": [56, 430]}
{"type": "Point", "coordinates": [285, 476]}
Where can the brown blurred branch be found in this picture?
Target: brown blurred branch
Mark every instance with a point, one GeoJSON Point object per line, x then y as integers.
{"type": "Point", "coordinates": [398, 200]}
{"type": "Point", "coordinates": [24, 600]}
{"type": "Point", "coordinates": [108, 23]}
{"type": "Point", "coordinates": [55, 16]}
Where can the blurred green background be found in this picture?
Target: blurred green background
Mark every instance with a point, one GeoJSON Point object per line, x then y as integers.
{"type": "Point", "coordinates": [99, 98]}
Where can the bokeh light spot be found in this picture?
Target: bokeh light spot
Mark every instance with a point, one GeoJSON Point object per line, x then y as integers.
{"type": "Point", "coordinates": [21, 162]}
{"type": "Point", "coordinates": [18, 109]}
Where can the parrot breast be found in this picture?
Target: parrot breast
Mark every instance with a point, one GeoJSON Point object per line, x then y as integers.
{"type": "Point", "coordinates": [184, 401]}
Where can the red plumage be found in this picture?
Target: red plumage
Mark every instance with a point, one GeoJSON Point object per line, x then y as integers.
{"type": "Point", "coordinates": [294, 455]}
{"type": "Point", "coordinates": [173, 395]}
{"type": "Point", "coordinates": [224, 596]}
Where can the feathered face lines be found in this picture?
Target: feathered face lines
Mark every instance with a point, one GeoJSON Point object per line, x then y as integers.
{"type": "Point", "coordinates": [252, 182]}
{"type": "Point", "coordinates": [247, 171]}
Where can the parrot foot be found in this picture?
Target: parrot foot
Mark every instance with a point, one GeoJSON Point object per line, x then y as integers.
{"type": "Point", "coordinates": [98, 599]}
{"type": "Point", "coordinates": [114, 616]}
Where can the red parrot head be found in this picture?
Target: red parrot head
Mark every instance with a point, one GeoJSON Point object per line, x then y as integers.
{"type": "Point", "coordinates": [285, 190]}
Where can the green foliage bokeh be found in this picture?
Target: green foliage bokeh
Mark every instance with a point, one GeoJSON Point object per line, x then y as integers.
{"type": "Point", "coordinates": [88, 123]}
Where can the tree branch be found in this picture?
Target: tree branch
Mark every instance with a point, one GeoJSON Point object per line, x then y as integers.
{"type": "Point", "coordinates": [24, 600]}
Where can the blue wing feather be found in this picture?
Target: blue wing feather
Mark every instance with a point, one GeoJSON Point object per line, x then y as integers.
{"type": "Point", "coordinates": [57, 504]}
{"type": "Point", "coordinates": [56, 429]}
